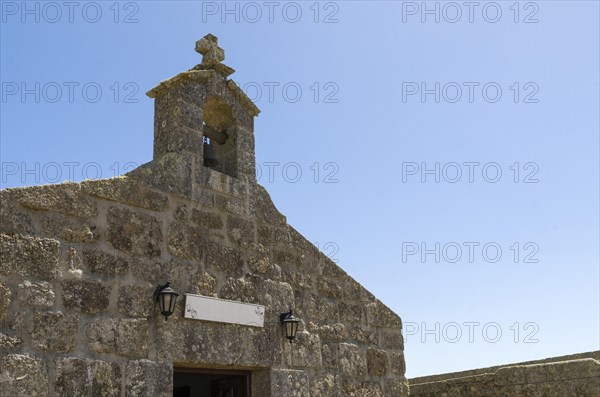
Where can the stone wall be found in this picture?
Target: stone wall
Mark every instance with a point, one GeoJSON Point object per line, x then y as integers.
{"type": "Point", "coordinates": [79, 264]}
{"type": "Point", "coordinates": [576, 375]}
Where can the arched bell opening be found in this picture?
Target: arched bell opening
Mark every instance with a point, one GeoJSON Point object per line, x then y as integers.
{"type": "Point", "coordinates": [219, 149]}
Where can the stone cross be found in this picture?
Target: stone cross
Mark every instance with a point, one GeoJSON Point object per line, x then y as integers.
{"type": "Point", "coordinates": [210, 50]}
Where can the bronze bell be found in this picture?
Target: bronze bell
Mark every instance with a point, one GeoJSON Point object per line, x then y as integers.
{"type": "Point", "coordinates": [210, 160]}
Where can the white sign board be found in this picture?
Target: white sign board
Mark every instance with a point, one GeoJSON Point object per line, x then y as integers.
{"type": "Point", "coordinates": [205, 308]}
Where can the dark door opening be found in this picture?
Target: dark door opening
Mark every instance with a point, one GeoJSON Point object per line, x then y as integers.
{"type": "Point", "coordinates": [196, 382]}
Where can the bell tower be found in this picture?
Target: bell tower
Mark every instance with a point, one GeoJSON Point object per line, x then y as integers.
{"type": "Point", "coordinates": [203, 114]}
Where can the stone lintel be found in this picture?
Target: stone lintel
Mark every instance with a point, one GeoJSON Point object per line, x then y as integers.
{"type": "Point", "coordinates": [221, 68]}
{"type": "Point", "coordinates": [204, 75]}
{"type": "Point", "coordinates": [192, 75]}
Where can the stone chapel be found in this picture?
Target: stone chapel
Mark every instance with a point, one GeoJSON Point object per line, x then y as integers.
{"type": "Point", "coordinates": [84, 302]}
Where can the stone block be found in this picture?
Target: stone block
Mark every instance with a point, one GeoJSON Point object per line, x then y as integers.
{"type": "Point", "coordinates": [362, 389]}
{"type": "Point", "coordinates": [298, 281]}
{"type": "Point", "coordinates": [222, 183]}
{"type": "Point", "coordinates": [379, 315]}
{"type": "Point", "coordinates": [101, 335]}
{"type": "Point", "coordinates": [258, 258]}
{"type": "Point", "coordinates": [240, 290]}
{"type": "Point", "coordinates": [277, 296]}
{"type": "Point", "coordinates": [204, 283]}
{"type": "Point", "coordinates": [333, 332]}
{"type": "Point", "coordinates": [305, 351]}
{"type": "Point", "coordinates": [377, 362]}
{"type": "Point", "coordinates": [265, 235]}
{"type": "Point", "coordinates": [204, 197]}
{"type": "Point", "coordinates": [533, 373]}
{"type": "Point", "coordinates": [171, 337]}
{"type": "Point", "coordinates": [314, 308]}
{"type": "Point", "coordinates": [136, 301]}
{"type": "Point", "coordinates": [171, 173]}
{"type": "Point", "coordinates": [329, 288]}
{"type": "Point", "coordinates": [391, 339]}
{"type": "Point", "coordinates": [146, 378]}
{"type": "Point", "coordinates": [351, 314]}
{"type": "Point", "coordinates": [128, 191]}
{"type": "Point", "coordinates": [177, 126]}
{"type": "Point", "coordinates": [245, 134]}
{"type": "Point", "coordinates": [181, 273]}
{"type": "Point", "coordinates": [221, 258]}
{"type": "Point", "coordinates": [261, 382]}
{"type": "Point", "coordinates": [132, 338]}
{"type": "Point", "coordinates": [106, 378]}
{"type": "Point", "coordinates": [396, 388]}
{"type": "Point", "coordinates": [397, 363]}
{"type": "Point", "coordinates": [352, 360]}
{"type": "Point", "coordinates": [231, 205]}
{"type": "Point", "coordinates": [289, 382]}
{"type": "Point", "coordinates": [240, 230]}
{"type": "Point", "coordinates": [149, 270]}
{"type": "Point", "coordinates": [212, 344]}
{"type": "Point", "coordinates": [54, 331]}
{"type": "Point", "coordinates": [262, 207]}
{"type": "Point", "coordinates": [13, 219]}
{"type": "Point", "coordinates": [73, 230]}
{"type": "Point", "coordinates": [291, 258]}
{"type": "Point", "coordinates": [126, 337]}
{"type": "Point", "coordinates": [353, 291]}
{"type": "Point", "coordinates": [266, 269]}
{"type": "Point", "coordinates": [85, 377]}
{"type": "Point", "coordinates": [134, 232]}
{"type": "Point", "coordinates": [246, 164]}
{"type": "Point", "coordinates": [104, 263]}
{"type": "Point", "coordinates": [66, 198]}
{"type": "Point", "coordinates": [302, 244]}
{"type": "Point", "coordinates": [364, 335]}
{"type": "Point", "coordinates": [206, 219]}
{"type": "Point", "coordinates": [23, 375]}
{"type": "Point", "coordinates": [329, 354]}
{"type": "Point", "coordinates": [36, 294]}
{"type": "Point", "coordinates": [186, 241]}
{"type": "Point", "coordinates": [29, 257]}
{"type": "Point", "coordinates": [86, 296]}
{"type": "Point", "coordinates": [330, 268]}
{"type": "Point", "coordinates": [5, 300]}
{"type": "Point", "coordinates": [325, 385]}
{"type": "Point", "coordinates": [511, 375]}
{"type": "Point", "coordinates": [264, 346]}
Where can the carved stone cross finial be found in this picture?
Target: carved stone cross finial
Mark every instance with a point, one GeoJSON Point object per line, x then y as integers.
{"type": "Point", "coordinates": [210, 50]}
{"type": "Point", "coordinates": [212, 56]}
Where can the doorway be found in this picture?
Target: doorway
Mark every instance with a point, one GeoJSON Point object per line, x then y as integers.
{"type": "Point", "coordinates": [197, 382]}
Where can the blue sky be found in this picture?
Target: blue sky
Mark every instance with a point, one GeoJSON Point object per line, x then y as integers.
{"type": "Point", "coordinates": [508, 124]}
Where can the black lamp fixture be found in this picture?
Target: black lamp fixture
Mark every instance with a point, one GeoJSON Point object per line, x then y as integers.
{"type": "Point", "coordinates": [166, 298]}
{"type": "Point", "coordinates": [290, 324]}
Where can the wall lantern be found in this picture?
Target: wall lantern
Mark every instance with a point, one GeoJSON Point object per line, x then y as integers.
{"type": "Point", "coordinates": [290, 324]}
{"type": "Point", "coordinates": [166, 298]}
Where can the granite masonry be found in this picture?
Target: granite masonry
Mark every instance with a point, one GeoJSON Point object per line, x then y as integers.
{"type": "Point", "coordinates": [79, 264]}
{"type": "Point", "coordinates": [576, 375]}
